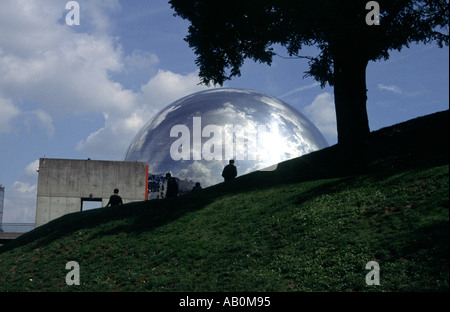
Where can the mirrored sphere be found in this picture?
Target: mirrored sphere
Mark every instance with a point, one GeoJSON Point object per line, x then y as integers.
{"type": "Point", "coordinates": [197, 135]}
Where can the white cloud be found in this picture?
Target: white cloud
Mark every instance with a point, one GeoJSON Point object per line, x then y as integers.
{"type": "Point", "coordinates": [322, 113]}
{"type": "Point", "coordinates": [31, 170]}
{"type": "Point", "coordinates": [41, 119]}
{"type": "Point", "coordinates": [139, 60]}
{"type": "Point", "coordinates": [20, 203]}
{"type": "Point", "coordinates": [46, 62]}
{"type": "Point", "coordinates": [166, 87]}
{"type": "Point", "coordinates": [390, 88]}
{"type": "Point", "coordinates": [70, 77]}
{"type": "Point", "coordinates": [93, 14]}
{"type": "Point", "coordinates": [31, 119]}
{"type": "Point", "coordinates": [300, 89]}
{"type": "Point", "coordinates": [8, 112]}
{"type": "Point", "coordinates": [52, 69]}
{"type": "Point", "coordinates": [24, 188]}
{"type": "Point", "coordinates": [20, 196]}
{"type": "Point", "coordinates": [112, 140]}
{"type": "Point", "coordinates": [123, 121]}
{"type": "Point", "coordinates": [24, 26]}
{"type": "Point", "coordinates": [398, 91]}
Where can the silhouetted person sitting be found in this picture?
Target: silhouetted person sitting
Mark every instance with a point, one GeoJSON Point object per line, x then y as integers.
{"type": "Point", "coordinates": [197, 187]}
{"type": "Point", "coordinates": [230, 171]}
{"type": "Point", "coordinates": [115, 199]}
{"type": "Point", "coordinates": [172, 186]}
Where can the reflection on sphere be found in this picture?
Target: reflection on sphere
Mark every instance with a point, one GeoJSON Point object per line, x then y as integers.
{"type": "Point", "coordinates": [195, 136]}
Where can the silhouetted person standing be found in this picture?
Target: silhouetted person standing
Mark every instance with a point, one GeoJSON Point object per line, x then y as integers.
{"type": "Point", "coordinates": [197, 187]}
{"type": "Point", "coordinates": [172, 186]}
{"type": "Point", "coordinates": [230, 171]}
{"type": "Point", "coordinates": [115, 199]}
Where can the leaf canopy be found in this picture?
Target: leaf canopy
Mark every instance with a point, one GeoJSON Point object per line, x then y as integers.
{"type": "Point", "coordinates": [224, 34]}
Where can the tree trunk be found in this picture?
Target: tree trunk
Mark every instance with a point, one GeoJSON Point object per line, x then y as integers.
{"type": "Point", "coordinates": [350, 96]}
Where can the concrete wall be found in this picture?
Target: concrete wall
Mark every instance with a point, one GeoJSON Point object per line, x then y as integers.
{"type": "Point", "coordinates": [62, 183]}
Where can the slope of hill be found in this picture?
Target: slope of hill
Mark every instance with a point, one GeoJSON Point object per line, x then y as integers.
{"type": "Point", "coordinates": [311, 225]}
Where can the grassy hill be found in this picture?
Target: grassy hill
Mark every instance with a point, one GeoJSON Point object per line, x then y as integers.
{"type": "Point", "coordinates": [310, 225]}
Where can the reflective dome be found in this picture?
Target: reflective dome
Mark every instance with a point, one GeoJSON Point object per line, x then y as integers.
{"type": "Point", "coordinates": [197, 135]}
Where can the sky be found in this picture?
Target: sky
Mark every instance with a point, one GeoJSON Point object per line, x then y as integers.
{"type": "Point", "coordinates": [84, 91]}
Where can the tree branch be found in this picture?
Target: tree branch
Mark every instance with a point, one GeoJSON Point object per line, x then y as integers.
{"type": "Point", "coordinates": [295, 57]}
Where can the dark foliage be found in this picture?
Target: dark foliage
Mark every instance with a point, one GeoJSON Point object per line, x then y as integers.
{"type": "Point", "coordinates": [224, 34]}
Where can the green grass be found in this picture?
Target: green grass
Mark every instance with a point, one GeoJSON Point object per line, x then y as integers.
{"type": "Point", "coordinates": [310, 225]}
{"type": "Point", "coordinates": [307, 236]}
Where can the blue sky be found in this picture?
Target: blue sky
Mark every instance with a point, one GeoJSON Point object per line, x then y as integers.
{"type": "Point", "coordinates": [85, 91]}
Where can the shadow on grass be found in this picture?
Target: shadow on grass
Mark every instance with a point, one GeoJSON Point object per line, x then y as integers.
{"type": "Point", "coordinates": [145, 215]}
{"type": "Point", "coordinates": [420, 142]}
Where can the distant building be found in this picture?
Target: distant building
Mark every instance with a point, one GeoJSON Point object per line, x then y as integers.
{"type": "Point", "coordinates": [65, 184]}
{"type": "Point", "coordinates": [2, 198]}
